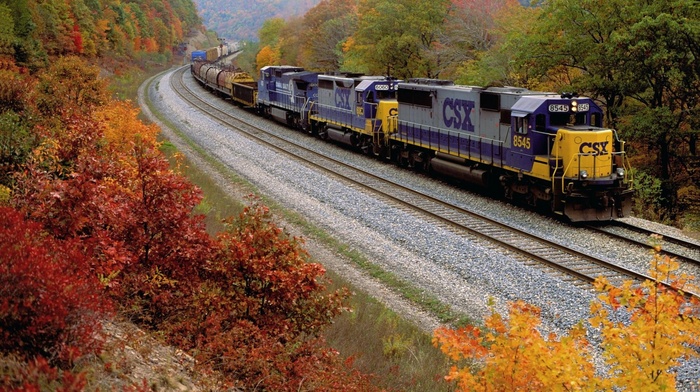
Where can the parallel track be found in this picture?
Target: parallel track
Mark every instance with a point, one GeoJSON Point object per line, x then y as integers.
{"type": "Point", "coordinates": [581, 267]}
{"type": "Point", "coordinates": [684, 251]}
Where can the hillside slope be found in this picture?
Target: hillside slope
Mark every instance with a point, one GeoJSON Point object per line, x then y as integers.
{"type": "Point", "coordinates": [240, 20]}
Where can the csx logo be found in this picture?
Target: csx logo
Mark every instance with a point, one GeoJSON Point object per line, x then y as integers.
{"type": "Point", "coordinates": [456, 114]}
{"type": "Point", "coordinates": [596, 148]}
{"type": "Point", "coordinates": [342, 98]}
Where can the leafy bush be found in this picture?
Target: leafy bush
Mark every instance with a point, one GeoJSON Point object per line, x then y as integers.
{"type": "Point", "coordinates": [51, 304]}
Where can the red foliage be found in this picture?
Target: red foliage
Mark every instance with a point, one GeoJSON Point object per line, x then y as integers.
{"type": "Point", "coordinates": [51, 305]}
{"type": "Point", "coordinates": [37, 375]}
{"type": "Point", "coordinates": [258, 312]}
{"type": "Point", "coordinates": [77, 39]}
{"type": "Point", "coordinates": [278, 288]}
{"type": "Point", "coordinates": [135, 214]}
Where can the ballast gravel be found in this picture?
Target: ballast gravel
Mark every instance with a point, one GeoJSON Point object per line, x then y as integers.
{"type": "Point", "coordinates": [459, 270]}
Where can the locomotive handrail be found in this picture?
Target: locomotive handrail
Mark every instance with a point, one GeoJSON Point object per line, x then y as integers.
{"type": "Point", "coordinates": [495, 144]}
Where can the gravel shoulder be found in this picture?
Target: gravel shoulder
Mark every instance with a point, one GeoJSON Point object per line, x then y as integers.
{"type": "Point", "coordinates": [459, 270]}
{"type": "Point", "coordinates": [319, 252]}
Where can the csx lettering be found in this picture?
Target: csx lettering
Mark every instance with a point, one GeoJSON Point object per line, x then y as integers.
{"type": "Point", "coordinates": [596, 148]}
{"type": "Point", "coordinates": [342, 99]}
{"type": "Point", "coordinates": [521, 141]}
{"type": "Point", "coordinates": [456, 113]}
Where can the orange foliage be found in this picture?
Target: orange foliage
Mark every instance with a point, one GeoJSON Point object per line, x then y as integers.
{"type": "Point", "coordinates": [640, 353]}
{"type": "Point", "coordinates": [267, 56]}
{"type": "Point", "coordinates": [122, 126]}
{"type": "Point", "coordinates": [514, 356]}
{"type": "Point", "coordinates": [177, 29]}
{"type": "Point", "coordinates": [150, 45]}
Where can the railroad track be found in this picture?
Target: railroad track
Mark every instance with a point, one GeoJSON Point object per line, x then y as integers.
{"type": "Point", "coordinates": [683, 250]}
{"type": "Point", "coordinates": [576, 266]}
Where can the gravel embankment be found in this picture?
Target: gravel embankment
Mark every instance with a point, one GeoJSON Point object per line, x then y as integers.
{"type": "Point", "coordinates": [461, 271]}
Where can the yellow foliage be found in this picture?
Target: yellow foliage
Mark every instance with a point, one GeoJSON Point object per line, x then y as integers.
{"type": "Point", "coordinates": [642, 352]}
{"type": "Point", "coordinates": [646, 329]}
{"type": "Point", "coordinates": [267, 56]}
{"type": "Point", "coordinates": [5, 194]}
{"type": "Point", "coordinates": [122, 126]}
{"type": "Point", "coordinates": [514, 356]}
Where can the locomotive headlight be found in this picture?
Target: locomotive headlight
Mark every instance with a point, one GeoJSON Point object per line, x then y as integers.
{"type": "Point", "coordinates": [583, 174]}
{"type": "Point", "coordinates": [574, 106]}
{"type": "Point", "coordinates": [620, 172]}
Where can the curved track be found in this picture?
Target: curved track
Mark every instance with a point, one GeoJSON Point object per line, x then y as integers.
{"type": "Point", "coordinates": [578, 266]}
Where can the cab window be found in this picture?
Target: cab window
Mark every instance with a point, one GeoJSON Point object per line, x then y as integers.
{"type": "Point", "coordinates": [521, 124]}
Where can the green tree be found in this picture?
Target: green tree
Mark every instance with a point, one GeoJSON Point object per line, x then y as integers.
{"type": "Point", "coordinates": [28, 50]}
{"type": "Point", "coordinates": [397, 38]}
{"type": "Point", "coordinates": [271, 32]}
{"type": "Point", "coordinates": [328, 27]}
{"type": "Point", "coordinates": [639, 59]}
{"type": "Point", "coordinates": [7, 32]}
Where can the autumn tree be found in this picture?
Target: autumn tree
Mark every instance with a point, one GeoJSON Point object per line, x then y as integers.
{"type": "Point", "coordinates": [52, 305]}
{"type": "Point", "coordinates": [514, 356]}
{"type": "Point", "coordinates": [662, 329]}
{"type": "Point", "coordinates": [70, 84]}
{"type": "Point", "coordinates": [468, 31]}
{"type": "Point", "coordinates": [328, 26]}
{"type": "Point", "coordinates": [396, 38]}
{"type": "Point", "coordinates": [267, 56]}
{"type": "Point", "coordinates": [479, 37]}
{"type": "Point", "coordinates": [284, 39]}
{"type": "Point", "coordinates": [645, 329]}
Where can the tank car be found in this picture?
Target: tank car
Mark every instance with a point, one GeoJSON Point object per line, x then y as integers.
{"type": "Point", "coordinates": [543, 148]}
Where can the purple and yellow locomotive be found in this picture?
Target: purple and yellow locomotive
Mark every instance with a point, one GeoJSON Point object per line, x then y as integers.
{"type": "Point", "coordinates": [546, 149]}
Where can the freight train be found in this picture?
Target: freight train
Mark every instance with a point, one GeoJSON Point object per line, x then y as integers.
{"type": "Point", "coordinates": [545, 149]}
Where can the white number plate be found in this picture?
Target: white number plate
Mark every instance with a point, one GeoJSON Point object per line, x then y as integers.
{"type": "Point", "coordinates": [558, 108]}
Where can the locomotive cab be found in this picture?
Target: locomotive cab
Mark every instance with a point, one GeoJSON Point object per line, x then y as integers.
{"type": "Point", "coordinates": [561, 140]}
{"type": "Point", "coordinates": [354, 109]}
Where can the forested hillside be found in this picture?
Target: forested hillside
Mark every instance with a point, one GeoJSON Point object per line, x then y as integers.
{"type": "Point", "coordinates": [33, 32]}
{"type": "Point", "coordinates": [97, 227]}
{"type": "Point", "coordinates": [240, 20]}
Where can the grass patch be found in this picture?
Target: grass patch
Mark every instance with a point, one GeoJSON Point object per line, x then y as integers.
{"type": "Point", "coordinates": [372, 336]}
{"type": "Point", "coordinates": [125, 84]}
{"type": "Point", "coordinates": [378, 341]}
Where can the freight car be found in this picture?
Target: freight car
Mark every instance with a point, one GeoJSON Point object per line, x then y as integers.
{"type": "Point", "coordinates": [548, 150]}
{"type": "Point", "coordinates": [227, 81]}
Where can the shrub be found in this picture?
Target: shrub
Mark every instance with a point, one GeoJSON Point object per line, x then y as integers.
{"type": "Point", "coordinates": [51, 305]}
